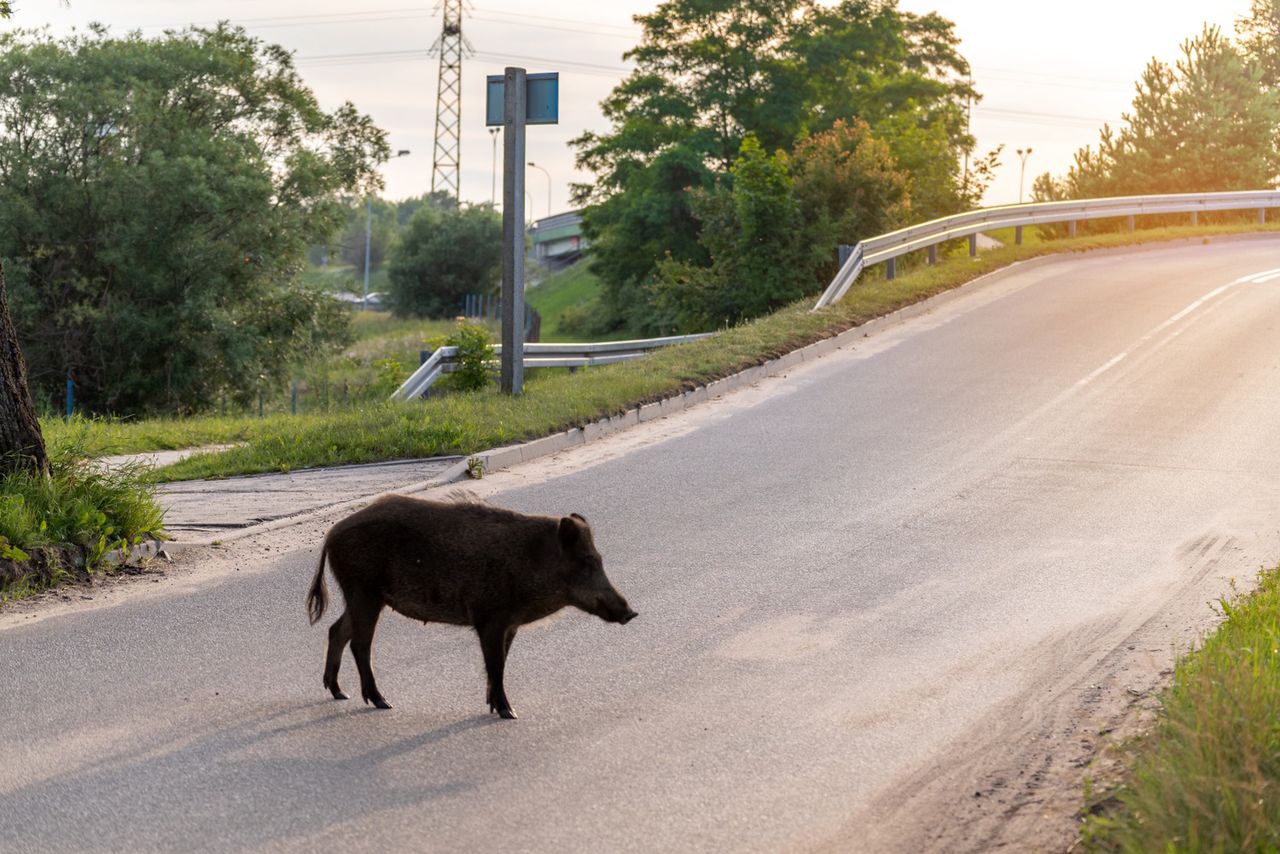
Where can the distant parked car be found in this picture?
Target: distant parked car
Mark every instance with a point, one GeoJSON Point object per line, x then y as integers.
{"type": "Point", "coordinates": [375, 302]}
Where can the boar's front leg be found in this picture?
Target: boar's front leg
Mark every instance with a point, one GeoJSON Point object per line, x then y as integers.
{"type": "Point", "coordinates": [495, 642]}
{"type": "Point", "coordinates": [364, 619]}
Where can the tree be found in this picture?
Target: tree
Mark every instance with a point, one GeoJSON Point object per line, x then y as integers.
{"type": "Point", "coordinates": [848, 187]}
{"type": "Point", "coordinates": [1260, 39]}
{"type": "Point", "coordinates": [350, 242]}
{"type": "Point", "coordinates": [22, 446]}
{"type": "Point", "coordinates": [443, 255]}
{"type": "Point", "coordinates": [156, 200]}
{"type": "Point", "coordinates": [1205, 124]}
{"type": "Point", "coordinates": [710, 72]}
{"type": "Point", "coordinates": [760, 255]}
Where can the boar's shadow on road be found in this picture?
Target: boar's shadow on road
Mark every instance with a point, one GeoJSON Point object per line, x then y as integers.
{"type": "Point", "coordinates": [460, 562]}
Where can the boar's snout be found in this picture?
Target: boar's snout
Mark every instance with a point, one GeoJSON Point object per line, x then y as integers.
{"type": "Point", "coordinates": [610, 607]}
{"type": "Point", "coordinates": [618, 612]}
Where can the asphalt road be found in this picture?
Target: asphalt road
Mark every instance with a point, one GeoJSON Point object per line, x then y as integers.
{"type": "Point", "coordinates": [841, 577]}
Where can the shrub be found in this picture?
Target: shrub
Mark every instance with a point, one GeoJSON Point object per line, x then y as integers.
{"type": "Point", "coordinates": [475, 358]}
{"type": "Point", "coordinates": [442, 256]}
{"type": "Point", "coordinates": [80, 506]}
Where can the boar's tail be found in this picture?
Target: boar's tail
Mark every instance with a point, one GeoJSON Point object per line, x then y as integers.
{"type": "Point", "coordinates": [318, 596]}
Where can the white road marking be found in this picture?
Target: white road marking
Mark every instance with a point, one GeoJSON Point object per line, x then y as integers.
{"type": "Point", "coordinates": [1258, 278]}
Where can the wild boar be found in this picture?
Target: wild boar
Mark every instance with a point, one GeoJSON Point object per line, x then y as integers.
{"type": "Point", "coordinates": [466, 563]}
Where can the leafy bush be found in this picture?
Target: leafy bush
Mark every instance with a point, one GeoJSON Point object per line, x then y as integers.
{"type": "Point", "coordinates": [475, 358]}
{"type": "Point", "coordinates": [80, 505]}
{"type": "Point", "coordinates": [848, 188]}
{"type": "Point", "coordinates": [390, 376]}
{"type": "Point", "coordinates": [442, 256]}
{"type": "Point", "coordinates": [752, 230]}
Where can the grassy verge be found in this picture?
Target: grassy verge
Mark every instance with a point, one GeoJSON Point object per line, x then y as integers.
{"type": "Point", "coordinates": [336, 278]}
{"type": "Point", "coordinates": [1208, 777]}
{"type": "Point", "coordinates": [574, 290]}
{"type": "Point", "coordinates": [462, 424]}
{"type": "Point", "coordinates": [58, 527]}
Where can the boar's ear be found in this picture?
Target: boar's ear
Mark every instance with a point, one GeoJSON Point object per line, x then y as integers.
{"type": "Point", "coordinates": [569, 532]}
{"type": "Point", "coordinates": [580, 518]}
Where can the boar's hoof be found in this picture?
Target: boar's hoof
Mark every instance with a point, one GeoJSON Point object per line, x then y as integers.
{"type": "Point", "coordinates": [378, 701]}
{"type": "Point", "coordinates": [503, 711]}
{"type": "Point", "coordinates": [339, 694]}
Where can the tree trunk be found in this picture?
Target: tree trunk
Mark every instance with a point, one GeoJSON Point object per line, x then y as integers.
{"type": "Point", "coordinates": [21, 443]}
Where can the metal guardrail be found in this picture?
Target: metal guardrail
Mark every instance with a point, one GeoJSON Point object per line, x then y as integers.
{"type": "Point", "coordinates": [926, 235]}
{"type": "Point", "coordinates": [444, 359]}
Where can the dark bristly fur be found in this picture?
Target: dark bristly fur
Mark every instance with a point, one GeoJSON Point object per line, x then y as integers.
{"type": "Point", "coordinates": [463, 562]}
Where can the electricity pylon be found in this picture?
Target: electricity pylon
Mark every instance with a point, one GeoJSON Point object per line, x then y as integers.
{"type": "Point", "coordinates": [451, 46]}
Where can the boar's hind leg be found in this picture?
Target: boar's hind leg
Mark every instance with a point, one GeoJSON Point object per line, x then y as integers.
{"type": "Point", "coordinates": [339, 636]}
{"type": "Point", "coordinates": [364, 619]}
{"type": "Point", "coordinates": [495, 643]}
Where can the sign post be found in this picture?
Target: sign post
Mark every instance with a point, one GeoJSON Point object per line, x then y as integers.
{"type": "Point", "coordinates": [513, 121]}
{"type": "Point", "coordinates": [514, 99]}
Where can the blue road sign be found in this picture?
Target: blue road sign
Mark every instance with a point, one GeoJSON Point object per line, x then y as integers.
{"type": "Point", "coordinates": [542, 99]}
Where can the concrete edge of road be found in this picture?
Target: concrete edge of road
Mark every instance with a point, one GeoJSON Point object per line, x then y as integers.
{"type": "Point", "coordinates": [506, 456]}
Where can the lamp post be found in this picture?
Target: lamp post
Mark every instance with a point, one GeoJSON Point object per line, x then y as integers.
{"type": "Point", "coordinates": [368, 237]}
{"type": "Point", "coordinates": [1023, 154]}
{"type": "Point", "coordinates": [548, 174]}
{"type": "Point", "coordinates": [493, 192]}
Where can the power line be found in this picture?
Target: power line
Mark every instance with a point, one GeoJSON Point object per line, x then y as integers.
{"type": "Point", "coordinates": [417, 54]}
{"type": "Point", "coordinates": [1034, 117]}
{"type": "Point", "coordinates": [403, 14]}
{"type": "Point", "coordinates": [555, 27]}
{"type": "Point", "coordinates": [629, 29]}
{"type": "Point", "coordinates": [1019, 72]}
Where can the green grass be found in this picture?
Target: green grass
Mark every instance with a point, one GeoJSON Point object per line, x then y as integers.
{"type": "Point", "coordinates": [349, 380]}
{"type": "Point", "coordinates": [79, 509]}
{"type": "Point", "coordinates": [379, 335]}
{"type": "Point", "coordinates": [105, 436]}
{"type": "Point", "coordinates": [573, 287]}
{"type": "Point", "coordinates": [464, 424]}
{"type": "Point", "coordinates": [1208, 777]}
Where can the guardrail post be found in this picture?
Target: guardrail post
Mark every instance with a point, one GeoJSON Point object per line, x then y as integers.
{"type": "Point", "coordinates": [973, 246]}
{"type": "Point", "coordinates": [843, 251]}
{"type": "Point", "coordinates": [1130, 221]}
{"type": "Point", "coordinates": [1262, 216]}
{"type": "Point", "coordinates": [891, 268]}
{"type": "Point", "coordinates": [293, 398]}
{"type": "Point", "coordinates": [1195, 218]}
{"type": "Point", "coordinates": [1071, 228]}
{"type": "Point", "coordinates": [1017, 236]}
{"type": "Point", "coordinates": [71, 398]}
{"type": "Point", "coordinates": [933, 253]}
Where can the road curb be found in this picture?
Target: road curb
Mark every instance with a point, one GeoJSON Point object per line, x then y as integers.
{"type": "Point", "coordinates": [497, 459]}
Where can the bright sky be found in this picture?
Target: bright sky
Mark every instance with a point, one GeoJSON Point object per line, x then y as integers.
{"type": "Point", "coordinates": [1051, 73]}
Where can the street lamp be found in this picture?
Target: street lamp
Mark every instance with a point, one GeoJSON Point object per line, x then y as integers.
{"type": "Point", "coordinates": [493, 190]}
{"type": "Point", "coordinates": [368, 237]}
{"type": "Point", "coordinates": [1023, 154]}
{"type": "Point", "coordinates": [548, 174]}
